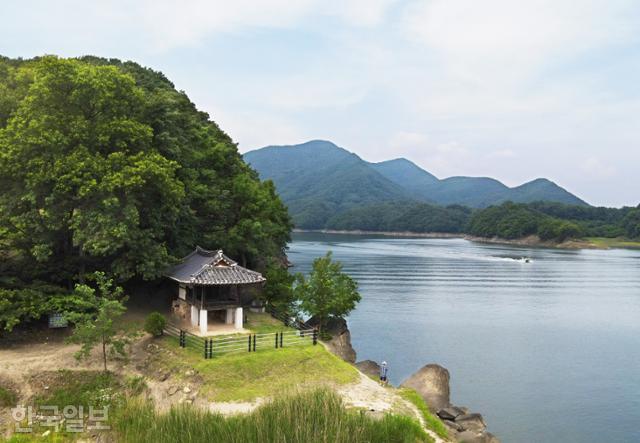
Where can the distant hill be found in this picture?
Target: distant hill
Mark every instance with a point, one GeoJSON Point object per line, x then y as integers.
{"type": "Point", "coordinates": [318, 180]}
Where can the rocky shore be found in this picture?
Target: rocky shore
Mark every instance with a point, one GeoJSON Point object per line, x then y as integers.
{"type": "Point", "coordinates": [431, 382]}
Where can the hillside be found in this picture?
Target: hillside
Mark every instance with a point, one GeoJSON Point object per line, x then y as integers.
{"type": "Point", "coordinates": [319, 181]}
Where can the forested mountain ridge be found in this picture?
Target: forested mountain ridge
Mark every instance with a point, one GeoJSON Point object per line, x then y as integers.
{"type": "Point", "coordinates": [319, 181]}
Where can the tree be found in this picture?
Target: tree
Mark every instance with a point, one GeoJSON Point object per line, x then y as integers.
{"type": "Point", "coordinates": [105, 165]}
{"type": "Point", "coordinates": [327, 292]}
{"type": "Point", "coordinates": [96, 319]}
{"type": "Point", "coordinates": [278, 290]}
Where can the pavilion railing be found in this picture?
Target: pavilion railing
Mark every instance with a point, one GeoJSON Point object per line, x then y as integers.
{"type": "Point", "coordinates": [214, 346]}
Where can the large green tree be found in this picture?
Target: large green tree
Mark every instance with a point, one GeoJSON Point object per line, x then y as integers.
{"type": "Point", "coordinates": [327, 292]}
{"type": "Point", "coordinates": [104, 165]}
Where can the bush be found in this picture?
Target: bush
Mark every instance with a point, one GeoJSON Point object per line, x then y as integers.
{"type": "Point", "coordinates": [155, 323]}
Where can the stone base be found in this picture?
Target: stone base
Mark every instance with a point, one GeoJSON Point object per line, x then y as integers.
{"type": "Point", "coordinates": [181, 309]}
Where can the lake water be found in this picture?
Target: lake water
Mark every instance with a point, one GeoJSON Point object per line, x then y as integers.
{"type": "Point", "coordinates": [547, 351]}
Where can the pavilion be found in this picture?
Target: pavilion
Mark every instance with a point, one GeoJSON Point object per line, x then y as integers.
{"type": "Point", "coordinates": [211, 288]}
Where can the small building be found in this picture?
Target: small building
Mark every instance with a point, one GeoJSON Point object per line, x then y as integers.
{"type": "Point", "coordinates": [212, 289]}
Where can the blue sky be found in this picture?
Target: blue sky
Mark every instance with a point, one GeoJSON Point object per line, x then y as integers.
{"type": "Point", "coordinates": [509, 89]}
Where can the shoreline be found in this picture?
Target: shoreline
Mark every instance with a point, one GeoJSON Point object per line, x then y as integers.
{"type": "Point", "coordinates": [530, 241]}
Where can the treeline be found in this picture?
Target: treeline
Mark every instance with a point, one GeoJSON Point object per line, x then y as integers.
{"type": "Point", "coordinates": [412, 217]}
{"type": "Point", "coordinates": [547, 220]}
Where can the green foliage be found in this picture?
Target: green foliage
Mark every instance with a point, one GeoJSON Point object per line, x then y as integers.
{"type": "Point", "coordinates": [104, 165]}
{"type": "Point", "coordinates": [318, 416]}
{"type": "Point", "coordinates": [154, 324]}
{"type": "Point", "coordinates": [278, 289]}
{"type": "Point", "coordinates": [550, 221]}
{"type": "Point", "coordinates": [327, 292]}
{"type": "Point", "coordinates": [96, 321]}
{"type": "Point", "coordinates": [431, 421]}
{"type": "Point", "coordinates": [8, 398]}
{"type": "Point", "coordinates": [631, 223]}
{"type": "Point", "coordinates": [82, 388]}
{"type": "Point", "coordinates": [410, 217]}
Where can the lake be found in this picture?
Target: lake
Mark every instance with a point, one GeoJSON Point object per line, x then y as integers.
{"type": "Point", "coordinates": [547, 351]}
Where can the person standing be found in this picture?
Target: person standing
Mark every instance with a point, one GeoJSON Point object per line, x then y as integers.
{"type": "Point", "coordinates": [384, 370]}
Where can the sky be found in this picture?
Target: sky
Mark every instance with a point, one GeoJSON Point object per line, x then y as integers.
{"type": "Point", "coordinates": [513, 90]}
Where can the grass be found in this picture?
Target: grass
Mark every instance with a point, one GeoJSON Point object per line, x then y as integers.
{"type": "Point", "coordinates": [246, 376]}
{"type": "Point", "coordinates": [605, 242]}
{"type": "Point", "coordinates": [87, 388]}
{"type": "Point", "coordinates": [263, 323]}
{"type": "Point", "coordinates": [431, 421]}
{"type": "Point", "coordinates": [312, 416]}
{"type": "Point", "coordinates": [8, 398]}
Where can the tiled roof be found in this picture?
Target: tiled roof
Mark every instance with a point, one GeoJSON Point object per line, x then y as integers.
{"type": "Point", "coordinates": [203, 267]}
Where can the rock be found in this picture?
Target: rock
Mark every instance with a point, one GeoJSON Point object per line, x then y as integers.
{"type": "Point", "coordinates": [164, 376]}
{"type": "Point", "coordinates": [471, 422]}
{"type": "Point", "coordinates": [189, 373]}
{"type": "Point", "coordinates": [186, 389]}
{"type": "Point", "coordinates": [369, 367]}
{"type": "Point", "coordinates": [453, 425]}
{"type": "Point", "coordinates": [340, 343]}
{"type": "Point", "coordinates": [172, 390]}
{"type": "Point", "coordinates": [449, 413]}
{"type": "Point", "coordinates": [477, 437]}
{"type": "Point", "coordinates": [432, 383]}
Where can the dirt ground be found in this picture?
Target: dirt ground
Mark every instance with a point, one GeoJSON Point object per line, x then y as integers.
{"type": "Point", "coordinates": [21, 361]}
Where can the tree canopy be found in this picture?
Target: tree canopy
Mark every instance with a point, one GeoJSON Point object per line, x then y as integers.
{"type": "Point", "coordinates": [104, 165]}
{"type": "Point", "coordinates": [327, 292]}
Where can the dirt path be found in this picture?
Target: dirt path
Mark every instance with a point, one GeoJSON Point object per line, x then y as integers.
{"type": "Point", "coordinates": [19, 363]}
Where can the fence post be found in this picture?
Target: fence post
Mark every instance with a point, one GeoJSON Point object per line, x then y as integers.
{"type": "Point", "coordinates": [249, 342]}
{"type": "Point", "coordinates": [276, 340]}
{"type": "Point", "coordinates": [315, 336]}
{"type": "Point", "coordinates": [182, 339]}
{"type": "Point", "coordinates": [280, 338]}
{"type": "Point", "coordinates": [254, 342]}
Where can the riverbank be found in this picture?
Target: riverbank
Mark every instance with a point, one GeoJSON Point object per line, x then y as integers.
{"type": "Point", "coordinates": [529, 241]}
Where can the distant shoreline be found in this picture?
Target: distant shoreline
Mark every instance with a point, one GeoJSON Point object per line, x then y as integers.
{"type": "Point", "coordinates": [530, 241]}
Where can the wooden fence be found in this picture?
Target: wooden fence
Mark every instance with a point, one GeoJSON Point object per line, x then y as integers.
{"type": "Point", "coordinates": [213, 346]}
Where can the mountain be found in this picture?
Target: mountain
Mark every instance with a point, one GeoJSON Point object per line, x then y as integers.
{"type": "Point", "coordinates": [407, 174]}
{"type": "Point", "coordinates": [318, 180]}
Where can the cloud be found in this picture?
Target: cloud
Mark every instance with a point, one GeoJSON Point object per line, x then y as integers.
{"type": "Point", "coordinates": [595, 168]}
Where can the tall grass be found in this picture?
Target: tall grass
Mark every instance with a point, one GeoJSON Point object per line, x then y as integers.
{"type": "Point", "coordinates": [431, 421]}
{"type": "Point", "coordinates": [317, 416]}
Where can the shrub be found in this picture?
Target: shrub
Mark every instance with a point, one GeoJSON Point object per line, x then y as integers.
{"type": "Point", "coordinates": [155, 323]}
{"type": "Point", "coordinates": [7, 397]}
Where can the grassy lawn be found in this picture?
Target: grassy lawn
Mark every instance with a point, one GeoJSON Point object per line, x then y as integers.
{"type": "Point", "coordinates": [266, 373]}
{"type": "Point", "coordinates": [263, 323]}
{"type": "Point", "coordinates": [431, 421]}
{"type": "Point", "coordinates": [604, 242]}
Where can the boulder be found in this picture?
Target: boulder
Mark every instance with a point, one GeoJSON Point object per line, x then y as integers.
{"type": "Point", "coordinates": [369, 367]}
{"type": "Point", "coordinates": [453, 425]}
{"type": "Point", "coordinates": [471, 422]}
{"type": "Point", "coordinates": [340, 343]}
{"type": "Point", "coordinates": [477, 437]}
{"type": "Point", "coordinates": [450, 413]}
{"type": "Point", "coordinates": [432, 383]}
